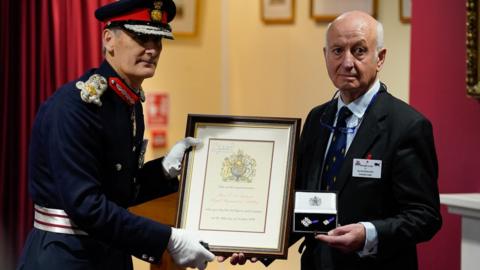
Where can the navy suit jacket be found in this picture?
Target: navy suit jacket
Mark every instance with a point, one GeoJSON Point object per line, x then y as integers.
{"type": "Point", "coordinates": [84, 159]}
{"type": "Point", "coordinates": [403, 204]}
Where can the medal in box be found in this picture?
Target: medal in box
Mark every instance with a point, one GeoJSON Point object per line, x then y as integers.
{"type": "Point", "coordinates": [315, 212]}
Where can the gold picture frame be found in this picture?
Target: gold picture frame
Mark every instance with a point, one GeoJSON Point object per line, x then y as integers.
{"type": "Point", "coordinates": [327, 10]}
{"type": "Point", "coordinates": [472, 43]}
{"type": "Point", "coordinates": [185, 22]}
{"type": "Point", "coordinates": [236, 189]}
{"type": "Point", "coordinates": [277, 11]}
{"type": "Point", "coordinates": [405, 11]}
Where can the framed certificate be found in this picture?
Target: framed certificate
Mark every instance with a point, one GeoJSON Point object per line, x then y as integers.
{"type": "Point", "coordinates": [237, 187]}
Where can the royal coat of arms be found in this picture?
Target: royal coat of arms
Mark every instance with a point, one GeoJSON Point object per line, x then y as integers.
{"type": "Point", "coordinates": [238, 167]}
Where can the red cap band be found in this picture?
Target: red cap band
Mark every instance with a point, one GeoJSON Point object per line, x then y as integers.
{"type": "Point", "coordinates": [135, 15]}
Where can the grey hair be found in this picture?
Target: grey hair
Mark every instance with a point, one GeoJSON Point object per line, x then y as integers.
{"type": "Point", "coordinates": [115, 31]}
{"type": "Point", "coordinates": [380, 42]}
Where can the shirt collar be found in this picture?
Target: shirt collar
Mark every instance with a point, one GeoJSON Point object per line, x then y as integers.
{"type": "Point", "coordinates": [360, 105]}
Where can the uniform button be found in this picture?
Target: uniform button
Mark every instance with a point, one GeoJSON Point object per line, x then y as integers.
{"type": "Point", "coordinates": [144, 256]}
{"type": "Point", "coordinates": [151, 259]}
{"type": "Point", "coordinates": [134, 148]}
{"type": "Point", "coordinates": [134, 180]}
{"type": "Point", "coordinates": [118, 166]}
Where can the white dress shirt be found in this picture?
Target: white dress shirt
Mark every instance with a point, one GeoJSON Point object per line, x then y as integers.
{"type": "Point", "coordinates": [358, 107]}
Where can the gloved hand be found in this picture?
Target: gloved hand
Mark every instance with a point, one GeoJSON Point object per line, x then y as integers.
{"type": "Point", "coordinates": [186, 250]}
{"type": "Point", "coordinates": [172, 162]}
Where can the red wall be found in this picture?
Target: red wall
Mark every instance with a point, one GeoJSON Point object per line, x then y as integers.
{"type": "Point", "coordinates": [437, 89]}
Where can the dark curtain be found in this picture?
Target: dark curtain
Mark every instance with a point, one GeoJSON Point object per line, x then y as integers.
{"type": "Point", "coordinates": [44, 44]}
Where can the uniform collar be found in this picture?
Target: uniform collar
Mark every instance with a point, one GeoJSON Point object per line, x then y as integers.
{"type": "Point", "coordinates": [128, 94]}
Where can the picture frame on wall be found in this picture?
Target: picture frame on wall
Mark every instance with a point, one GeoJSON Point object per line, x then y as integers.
{"type": "Point", "coordinates": [277, 11]}
{"type": "Point", "coordinates": [405, 11]}
{"type": "Point", "coordinates": [472, 48]}
{"type": "Point", "coordinates": [327, 10]}
{"type": "Point", "coordinates": [185, 23]}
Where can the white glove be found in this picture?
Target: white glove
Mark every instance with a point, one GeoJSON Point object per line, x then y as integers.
{"type": "Point", "coordinates": [172, 162]}
{"type": "Point", "coordinates": [186, 250]}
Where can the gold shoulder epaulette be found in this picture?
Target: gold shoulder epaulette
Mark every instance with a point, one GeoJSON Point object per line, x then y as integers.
{"type": "Point", "coordinates": [92, 89]}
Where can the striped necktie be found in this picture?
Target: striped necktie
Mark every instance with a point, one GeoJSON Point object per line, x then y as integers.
{"type": "Point", "coordinates": [336, 152]}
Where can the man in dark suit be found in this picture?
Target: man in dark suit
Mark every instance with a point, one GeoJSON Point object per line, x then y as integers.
{"type": "Point", "coordinates": [384, 213]}
{"type": "Point", "coordinates": [86, 157]}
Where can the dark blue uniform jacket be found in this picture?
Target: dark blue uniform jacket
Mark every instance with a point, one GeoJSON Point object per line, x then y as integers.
{"type": "Point", "coordinates": [84, 159]}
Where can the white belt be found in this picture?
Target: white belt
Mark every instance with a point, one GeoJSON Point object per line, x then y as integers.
{"type": "Point", "coordinates": [54, 220]}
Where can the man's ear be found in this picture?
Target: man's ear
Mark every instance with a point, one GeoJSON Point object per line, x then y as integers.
{"type": "Point", "coordinates": [381, 58]}
{"type": "Point", "coordinates": [108, 40]}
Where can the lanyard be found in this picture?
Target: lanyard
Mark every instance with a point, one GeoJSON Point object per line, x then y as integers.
{"type": "Point", "coordinates": [346, 130]}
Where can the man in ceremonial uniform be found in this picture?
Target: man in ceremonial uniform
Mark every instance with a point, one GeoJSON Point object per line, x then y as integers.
{"type": "Point", "coordinates": [86, 157]}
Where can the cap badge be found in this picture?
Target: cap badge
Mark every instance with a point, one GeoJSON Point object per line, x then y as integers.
{"type": "Point", "coordinates": [156, 13]}
{"type": "Point", "coordinates": [92, 89]}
